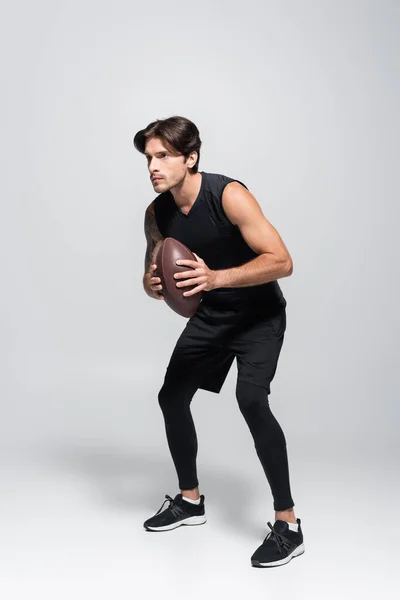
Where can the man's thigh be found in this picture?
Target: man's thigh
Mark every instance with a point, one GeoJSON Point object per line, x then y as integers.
{"type": "Point", "coordinates": [200, 354]}
{"type": "Point", "coordinates": [257, 346]}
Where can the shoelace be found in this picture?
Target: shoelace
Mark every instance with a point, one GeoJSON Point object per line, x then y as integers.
{"type": "Point", "coordinates": [175, 509]}
{"type": "Point", "coordinates": [282, 542]}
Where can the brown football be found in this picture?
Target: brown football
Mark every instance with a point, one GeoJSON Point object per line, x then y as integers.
{"type": "Point", "coordinates": [169, 252]}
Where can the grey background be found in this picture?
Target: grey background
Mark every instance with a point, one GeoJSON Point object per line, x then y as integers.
{"type": "Point", "coordinates": [299, 100]}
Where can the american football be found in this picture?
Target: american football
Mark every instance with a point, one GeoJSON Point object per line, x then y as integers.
{"type": "Point", "coordinates": [169, 252]}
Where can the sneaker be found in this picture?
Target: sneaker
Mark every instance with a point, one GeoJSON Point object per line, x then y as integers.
{"type": "Point", "coordinates": [179, 512]}
{"type": "Point", "coordinates": [280, 546]}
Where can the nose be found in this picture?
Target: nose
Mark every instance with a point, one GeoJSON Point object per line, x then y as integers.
{"type": "Point", "coordinates": [153, 165]}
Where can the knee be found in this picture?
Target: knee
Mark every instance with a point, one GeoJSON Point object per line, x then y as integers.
{"type": "Point", "coordinates": [164, 396]}
{"type": "Point", "coordinates": [174, 396]}
{"type": "Point", "coordinates": [251, 397]}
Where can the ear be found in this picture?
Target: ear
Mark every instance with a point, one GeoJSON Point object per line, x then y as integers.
{"type": "Point", "coordinates": [193, 158]}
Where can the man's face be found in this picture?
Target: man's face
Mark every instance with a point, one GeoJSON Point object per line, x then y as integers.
{"type": "Point", "coordinates": [166, 166]}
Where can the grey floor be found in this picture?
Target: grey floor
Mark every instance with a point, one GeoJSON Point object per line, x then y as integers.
{"type": "Point", "coordinates": [71, 527]}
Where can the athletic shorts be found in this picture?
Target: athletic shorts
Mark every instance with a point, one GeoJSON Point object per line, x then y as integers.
{"type": "Point", "coordinates": [215, 336]}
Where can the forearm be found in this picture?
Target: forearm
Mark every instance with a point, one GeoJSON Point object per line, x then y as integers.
{"type": "Point", "coordinates": [151, 256]}
{"type": "Point", "coordinates": [153, 238]}
{"type": "Point", "coordinates": [262, 269]}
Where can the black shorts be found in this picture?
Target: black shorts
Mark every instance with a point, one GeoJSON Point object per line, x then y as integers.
{"type": "Point", "coordinates": [214, 336]}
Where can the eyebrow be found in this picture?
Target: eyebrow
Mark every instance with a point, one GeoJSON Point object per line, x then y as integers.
{"type": "Point", "coordinates": [159, 152]}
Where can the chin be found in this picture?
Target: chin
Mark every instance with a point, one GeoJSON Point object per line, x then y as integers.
{"type": "Point", "coordinates": [161, 186]}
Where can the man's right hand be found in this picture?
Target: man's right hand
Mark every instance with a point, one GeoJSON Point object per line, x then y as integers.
{"type": "Point", "coordinates": [152, 285]}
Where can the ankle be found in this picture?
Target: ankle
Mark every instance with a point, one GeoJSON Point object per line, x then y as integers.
{"type": "Point", "coordinates": [285, 515]}
{"type": "Point", "coordinates": [192, 494]}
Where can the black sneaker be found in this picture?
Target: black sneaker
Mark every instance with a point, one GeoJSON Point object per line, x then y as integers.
{"type": "Point", "coordinates": [179, 512]}
{"type": "Point", "coordinates": [280, 546]}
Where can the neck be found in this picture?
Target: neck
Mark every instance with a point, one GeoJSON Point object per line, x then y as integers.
{"type": "Point", "coordinates": [186, 192]}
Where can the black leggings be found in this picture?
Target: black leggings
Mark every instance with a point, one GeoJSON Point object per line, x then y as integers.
{"type": "Point", "coordinates": [269, 440]}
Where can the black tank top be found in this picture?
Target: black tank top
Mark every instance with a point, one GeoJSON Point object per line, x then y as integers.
{"type": "Point", "coordinates": [207, 231]}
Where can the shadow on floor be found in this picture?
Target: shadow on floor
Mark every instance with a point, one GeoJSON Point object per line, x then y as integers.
{"type": "Point", "coordinates": [131, 479]}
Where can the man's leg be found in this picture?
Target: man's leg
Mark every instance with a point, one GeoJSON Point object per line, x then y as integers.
{"type": "Point", "coordinates": [174, 399]}
{"type": "Point", "coordinates": [198, 360]}
{"type": "Point", "coordinates": [257, 346]}
{"type": "Point", "coordinates": [270, 444]}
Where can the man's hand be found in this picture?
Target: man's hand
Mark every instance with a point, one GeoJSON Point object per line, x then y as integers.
{"type": "Point", "coordinates": [200, 276]}
{"type": "Point", "coordinates": [152, 285]}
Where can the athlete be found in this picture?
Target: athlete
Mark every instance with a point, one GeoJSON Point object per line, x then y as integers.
{"type": "Point", "coordinates": [242, 315]}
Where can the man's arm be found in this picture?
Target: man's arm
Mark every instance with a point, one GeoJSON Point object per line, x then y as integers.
{"type": "Point", "coordinates": [153, 237]}
{"type": "Point", "coordinates": [274, 260]}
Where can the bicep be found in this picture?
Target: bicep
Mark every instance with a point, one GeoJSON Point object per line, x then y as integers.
{"type": "Point", "coordinates": [243, 210]}
{"type": "Point", "coordinates": [151, 230]}
{"type": "Point", "coordinates": [153, 236]}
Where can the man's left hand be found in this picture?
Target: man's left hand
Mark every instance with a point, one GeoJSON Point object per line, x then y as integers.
{"type": "Point", "coordinates": [199, 275]}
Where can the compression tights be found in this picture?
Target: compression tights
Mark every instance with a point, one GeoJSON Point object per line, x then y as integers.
{"type": "Point", "coordinates": [269, 440]}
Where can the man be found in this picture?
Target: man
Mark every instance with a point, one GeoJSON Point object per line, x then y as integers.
{"type": "Point", "coordinates": [239, 257]}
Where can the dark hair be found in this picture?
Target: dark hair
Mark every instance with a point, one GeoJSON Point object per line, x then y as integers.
{"type": "Point", "coordinates": [179, 132]}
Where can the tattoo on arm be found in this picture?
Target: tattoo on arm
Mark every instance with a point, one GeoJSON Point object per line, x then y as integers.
{"type": "Point", "coordinates": [153, 237]}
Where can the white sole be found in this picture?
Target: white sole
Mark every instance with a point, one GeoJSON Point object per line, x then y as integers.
{"type": "Point", "coordinates": [189, 521]}
{"type": "Point", "coordinates": [276, 563]}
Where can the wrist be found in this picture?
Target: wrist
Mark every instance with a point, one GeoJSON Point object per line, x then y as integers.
{"type": "Point", "coordinates": [219, 278]}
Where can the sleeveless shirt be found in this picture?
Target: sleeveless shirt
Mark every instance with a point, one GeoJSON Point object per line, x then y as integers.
{"type": "Point", "coordinates": [208, 232]}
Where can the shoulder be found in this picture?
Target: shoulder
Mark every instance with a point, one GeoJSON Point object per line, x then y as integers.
{"type": "Point", "coordinates": [150, 208]}
{"type": "Point", "coordinates": [158, 204]}
{"type": "Point", "coordinates": [151, 211]}
{"type": "Point", "coordinates": [219, 177]}
{"type": "Point", "coordinates": [239, 203]}
{"type": "Point", "coordinates": [236, 188]}
{"type": "Point", "coordinates": [218, 182]}
{"type": "Point", "coordinates": [151, 224]}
